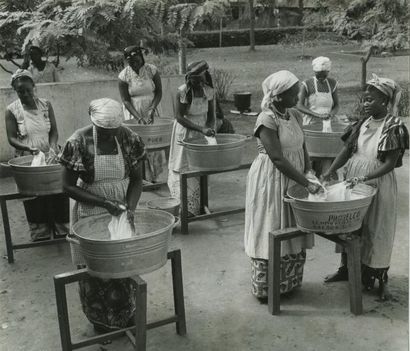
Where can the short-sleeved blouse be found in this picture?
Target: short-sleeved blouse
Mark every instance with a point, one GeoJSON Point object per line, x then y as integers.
{"type": "Point", "coordinates": [128, 75]}
{"type": "Point", "coordinates": [394, 136]}
{"type": "Point", "coordinates": [183, 93]}
{"type": "Point", "coordinates": [78, 152]}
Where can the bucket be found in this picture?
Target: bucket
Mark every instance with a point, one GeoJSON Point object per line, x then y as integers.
{"type": "Point", "coordinates": [329, 217]}
{"type": "Point", "coordinates": [143, 253]}
{"type": "Point", "coordinates": [36, 181]}
{"type": "Point", "coordinates": [168, 204]}
{"type": "Point", "coordinates": [225, 155]}
{"type": "Point", "coordinates": [323, 144]}
{"type": "Point", "coordinates": [155, 135]}
{"type": "Point", "coordinates": [242, 101]}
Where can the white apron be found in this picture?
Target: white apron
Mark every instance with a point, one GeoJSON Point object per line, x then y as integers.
{"type": "Point", "coordinates": [379, 225]}
{"type": "Point", "coordinates": [319, 102]}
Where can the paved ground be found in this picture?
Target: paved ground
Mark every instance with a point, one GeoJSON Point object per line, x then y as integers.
{"type": "Point", "coordinates": [221, 313]}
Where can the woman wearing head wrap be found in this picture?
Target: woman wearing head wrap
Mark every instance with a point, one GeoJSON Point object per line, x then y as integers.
{"type": "Point", "coordinates": [318, 98]}
{"type": "Point", "coordinates": [281, 162]}
{"type": "Point", "coordinates": [41, 70]}
{"type": "Point", "coordinates": [373, 147]}
{"type": "Point", "coordinates": [103, 174]}
{"type": "Point", "coordinates": [31, 127]}
{"type": "Point", "coordinates": [195, 116]}
{"type": "Point", "coordinates": [141, 92]}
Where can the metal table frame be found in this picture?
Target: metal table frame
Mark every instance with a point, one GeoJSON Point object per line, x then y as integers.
{"type": "Point", "coordinates": [352, 245]}
{"type": "Point", "coordinates": [203, 195]}
{"type": "Point", "coordinates": [137, 332]}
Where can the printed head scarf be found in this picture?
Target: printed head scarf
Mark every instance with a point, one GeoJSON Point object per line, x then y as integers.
{"type": "Point", "coordinates": [389, 88]}
{"type": "Point", "coordinates": [321, 63]}
{"type": "Point", "coordinates": [106, 113]}
{"type": "Point", "coordinates": [19, 74]}
{"type": "Point", "coordinates": [276, 84]}
{"type": "Point", "coordinates": [134, 50]}
{"type": "Point", "coordinates": [193, 71]}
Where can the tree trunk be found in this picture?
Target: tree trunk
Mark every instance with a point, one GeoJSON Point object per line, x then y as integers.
{"type": "Point", "coordinates": [181, 54]}
{"type": "Point", "coordinates": [272, 5]}
{"type": "Point", "coordinates": [364, 61]}
{"type": "Point", "coordinates": [251, 26]}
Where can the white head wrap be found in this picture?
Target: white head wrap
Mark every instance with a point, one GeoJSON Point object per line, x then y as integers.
{"type": "Point", "coordinates": [321, 63]}
{"type": "Point", "coordinates": [21, 73]}
{"type": "Point", "coordinates": [276, 84]}
{"type": "Point", "coordinates": [389, 88]}
{"type": "Point", "coordinates": [106, 113]}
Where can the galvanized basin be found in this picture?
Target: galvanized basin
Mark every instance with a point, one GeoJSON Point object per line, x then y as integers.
{"type": "Point", "coordinates": [168, 204]}
{"type": "Point", "coordinates": [329, 217]}
{"type": "Point", "coordinates": [36, 181]}
{"type": "Point", "coordinates": [324, 145]}
{"type": "Point", "coordinates": [227, 154]}
{"type": "Point", "coordinates": [144, 253]}
{"type": "Point", "coordinates": [155, 135]}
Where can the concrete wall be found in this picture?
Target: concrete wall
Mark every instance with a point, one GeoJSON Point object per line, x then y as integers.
{"type": "Point", "coordinates": [70, 102]}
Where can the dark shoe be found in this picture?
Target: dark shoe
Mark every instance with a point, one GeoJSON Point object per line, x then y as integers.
{"type": "Point", "coordinates": [341, 275]}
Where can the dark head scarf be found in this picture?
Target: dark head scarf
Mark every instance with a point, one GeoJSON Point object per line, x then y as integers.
{"type": "Point", "coordinates": [134, 50]}
{"type": "Point", "coordinates": [193, 71]}
{"type": "Point", "coordinates": [36, 48]}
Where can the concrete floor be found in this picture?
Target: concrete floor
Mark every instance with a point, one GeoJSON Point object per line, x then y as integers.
{"type": "Point", "coordinates": [222, 315]}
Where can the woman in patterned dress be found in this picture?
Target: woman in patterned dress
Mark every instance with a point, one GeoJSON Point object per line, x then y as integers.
{"type": "Point", "coordinates": [281, 162]}
{"type": "Point", "coordinates": [373, 147]}
{"type": "Point", "coordinates": [141, 92]}
{"type": "Point", "coordinates": [195, 116]}
{"type": "Point", "coordinates": [31, 127]}
{"type": "Point", "coordinates": [103, 171]}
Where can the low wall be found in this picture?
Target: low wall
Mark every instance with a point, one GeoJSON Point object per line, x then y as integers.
{"type": "Point", "coordinates": [71, 100]}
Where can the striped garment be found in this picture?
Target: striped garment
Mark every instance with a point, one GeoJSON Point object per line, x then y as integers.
{"type": "Point", "coordinates": [395, 136]}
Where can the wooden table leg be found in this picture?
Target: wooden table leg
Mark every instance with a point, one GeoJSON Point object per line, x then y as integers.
{"type": "Point", "coordinates": [203, 191]}
{"type": "Point", "coordinates": [183, 183]}
{"type": "Point", "coordinates": [355, 274]}
{"type": "Point", "coordinates": [178, 289]}
{"type": "Point", "coordinates": [274, 274]}
{"type": "Point", "coordinates": [7, 232]}
{"type": "Point", "coordinates": [140, 315]}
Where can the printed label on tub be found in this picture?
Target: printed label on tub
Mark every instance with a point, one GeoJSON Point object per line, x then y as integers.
{"type": "Point", "coordinates": [332, 222]}
{"type": "Point", "coordinates": [154, 140]}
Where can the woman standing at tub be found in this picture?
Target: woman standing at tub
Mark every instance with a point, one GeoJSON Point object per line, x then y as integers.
{"type": "Point", "coordinates": [281, 162]}
{"type": "Point", "coordinates": [195, 116]}
{"type": "Point", "coordinates": [141, 92]}
{"type": "Point", "coordinates": [31, 127]}
{"type": "Point", "coordinates": [103, 171]}
{"type": "Point", "coordinates": [373, 147]}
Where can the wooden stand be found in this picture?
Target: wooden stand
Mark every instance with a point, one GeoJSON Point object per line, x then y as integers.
{"type": "Point", "coordinates": [205, 212]}
{"type": "Point", "coordinates": [352, 246]}
{"type": "Point", "coordinates": [137, 332]}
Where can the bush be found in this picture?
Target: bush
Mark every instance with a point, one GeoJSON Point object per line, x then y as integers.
{"type": "Point", "coordinates": [240, 37]}
{"type": "Point", "coordinates": [222, 83]}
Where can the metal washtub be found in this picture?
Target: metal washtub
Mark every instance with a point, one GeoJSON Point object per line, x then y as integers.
{"type": "Point", "coordinates": [227, 154]}
{"type": "Point", "coordinates": [329, 217]}
{"type": "Point", "coordinates": [324, 144]}
{"type": "Point", "coordinates": [36, 181]}
{"type": "Point", "coordinates": [168, 204]}
{"type": "Point", "coordinates": [155, 135]}
{"type": "Point", "coordinates": [143, 253]}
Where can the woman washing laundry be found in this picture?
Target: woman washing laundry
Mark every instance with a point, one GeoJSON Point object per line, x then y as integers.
{"type": "Point", "coordinates": [103, 174]}
{"type": "Point", "coordinates": [282, 161]}
{"type": "Point", "coordinates": [141, 92]}
{"type": "Point", "coordinates": [195, 116]}
{"type": "Point", "coordinates": [319, 102]}
{"type": "Point", "coordinates": [373, 147]}
{"type": "Point", "coordinates": [31, 127]}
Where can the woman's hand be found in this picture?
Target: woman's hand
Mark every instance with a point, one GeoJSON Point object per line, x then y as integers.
{"type": "Point", "coordinates": [313, 188]}
{"type": "Point", "coordinates": [131, 218]}
{"type": "Point", "coordinates": [208, 132]}
{"type": "Point", "coordinates": [352, 182]}
{"type": "Point", "coordinates": [33, 150]}
{"type": "Point", "coordinates": [115, 208]}
{"type": "Point", "coordinates": [151, 114]}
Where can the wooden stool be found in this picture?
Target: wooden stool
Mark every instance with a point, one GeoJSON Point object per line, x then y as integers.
{"type": "Point", "coordinates": [352, 245]}
{"type": "Point", "coordinates": [138, 339]}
